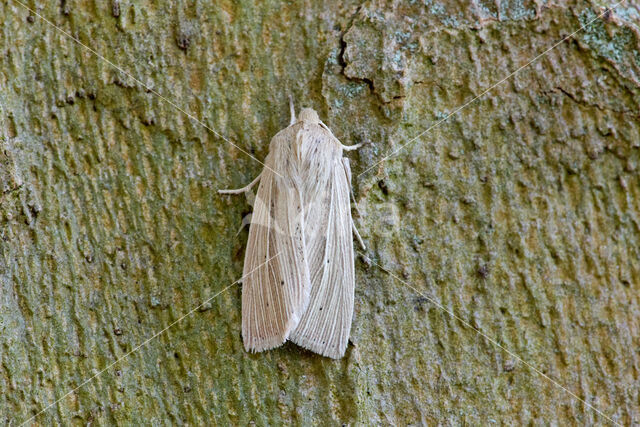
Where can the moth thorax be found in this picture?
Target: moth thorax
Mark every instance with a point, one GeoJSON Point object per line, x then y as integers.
{"type": "Point", "coordinates": [309, 115]}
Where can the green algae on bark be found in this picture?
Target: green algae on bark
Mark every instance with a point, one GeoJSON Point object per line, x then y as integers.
{"type": "Point", "coordinates": [520, 213]}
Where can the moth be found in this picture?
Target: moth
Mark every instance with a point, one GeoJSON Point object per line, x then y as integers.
{"type": "Point", "coordinates": [298, 278]}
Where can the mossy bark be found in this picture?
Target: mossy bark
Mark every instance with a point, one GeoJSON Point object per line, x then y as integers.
{"type": "Point", "coordinates": [520, 213]}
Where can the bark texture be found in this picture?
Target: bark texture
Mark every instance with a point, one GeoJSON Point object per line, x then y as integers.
{"type": "Point", "coordinates": [521, 213]}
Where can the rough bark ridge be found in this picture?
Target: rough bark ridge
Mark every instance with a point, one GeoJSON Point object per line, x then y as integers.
{"type": "Point", "coordinates": [521, 213]}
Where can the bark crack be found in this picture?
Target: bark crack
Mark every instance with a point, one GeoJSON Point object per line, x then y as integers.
{"type": "Point", "coordinates": [343, 63]}
{"type": "Point", "coordinates": [573, 97]}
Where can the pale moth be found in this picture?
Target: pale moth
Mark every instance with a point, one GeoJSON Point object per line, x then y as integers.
{"type": "Point", "coordinates": [301, 225]}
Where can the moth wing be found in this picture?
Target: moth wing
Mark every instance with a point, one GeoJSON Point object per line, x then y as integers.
{"type": "Point", "coordinates": [326, 323]}
{"type": "Point", "coordinates": [275, 288]}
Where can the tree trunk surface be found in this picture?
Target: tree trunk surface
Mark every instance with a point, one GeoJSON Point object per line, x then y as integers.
{"type": "Point", "coordinates": [516, 217]}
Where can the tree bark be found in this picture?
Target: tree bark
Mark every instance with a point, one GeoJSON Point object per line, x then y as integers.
{"type": "Point", "coordinates": [519, 213]}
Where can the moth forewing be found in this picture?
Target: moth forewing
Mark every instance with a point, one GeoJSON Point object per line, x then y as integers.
{"type": "Point", "coordinates": [274, 294]}
{"type": "Point", "coordinates": [325, 325]}
{"type": "Point", "coordinates": [302, 213]}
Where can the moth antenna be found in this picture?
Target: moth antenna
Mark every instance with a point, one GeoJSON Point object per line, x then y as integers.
{"type": "Point", "coordinates": [293, 111]}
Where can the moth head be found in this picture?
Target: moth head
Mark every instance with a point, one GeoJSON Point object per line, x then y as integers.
{"type": "Point", "coordinates": [309, 115]}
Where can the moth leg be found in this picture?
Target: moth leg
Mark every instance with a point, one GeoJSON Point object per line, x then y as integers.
{"type": "Point", "coordinates": [245, 221]}
{"type": "Point", "coordinates": [352, 147]}
{"type": "Point", "coordinates": [344, 147]}
{"type": "Point", "coordinates": [243, 189]}
{"type": "Point", "coordinates": [293, 111]}
{"type": "Point", "coordinates": [355, 231]}
{"type": "Point", "coordinates": [347, 171]}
